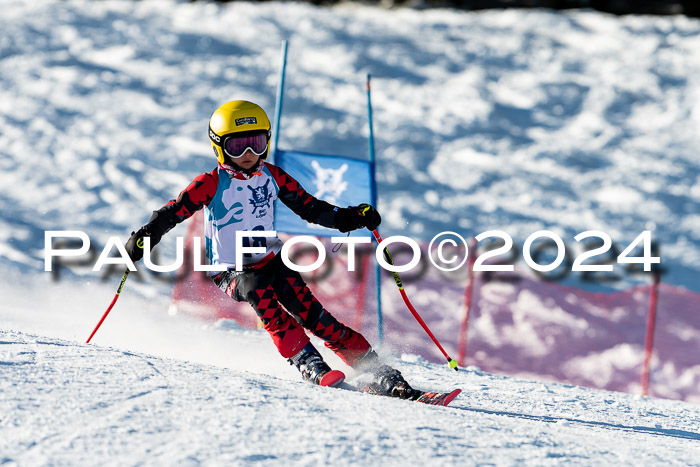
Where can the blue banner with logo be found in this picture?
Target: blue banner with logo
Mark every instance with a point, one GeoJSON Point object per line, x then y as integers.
{"type": "Point", "coordinates": [341, 181]}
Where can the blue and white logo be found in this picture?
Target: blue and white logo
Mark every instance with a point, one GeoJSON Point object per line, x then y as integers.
{"type": "Point", "coordinates": [260, 198]}
{"type": "Point", "coordinates": [341, 181]}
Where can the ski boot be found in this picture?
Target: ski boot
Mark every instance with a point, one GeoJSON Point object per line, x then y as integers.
{"type": "Point", "coordinates": [385, 380]}
{"type": "Point", "coordinates": [313, 369]}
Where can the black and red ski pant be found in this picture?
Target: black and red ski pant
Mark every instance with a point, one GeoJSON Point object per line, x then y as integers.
{"type": "Point", "coordinates": [275, 286]}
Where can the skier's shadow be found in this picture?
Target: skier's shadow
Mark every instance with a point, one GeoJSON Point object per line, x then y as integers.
{"type": "Point", "coordinates": [610, 426]}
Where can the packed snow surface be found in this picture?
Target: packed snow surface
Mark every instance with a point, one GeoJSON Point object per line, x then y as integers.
{"type": "Point", "coordinates": [173, 390]}
{"type": "Point", "coordinates": [68, 403]}
{"type": "Point", "coordinates": [513, 120]}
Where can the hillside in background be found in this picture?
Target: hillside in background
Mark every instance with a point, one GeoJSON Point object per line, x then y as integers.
{"type": "Point", "coordinates": [511, 120]}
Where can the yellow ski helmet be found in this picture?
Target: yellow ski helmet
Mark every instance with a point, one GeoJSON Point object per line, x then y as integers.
{"type": "Point", "coordinates": [239, 118]}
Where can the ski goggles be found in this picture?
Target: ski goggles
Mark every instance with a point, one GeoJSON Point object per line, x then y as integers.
{"type": "Point", "coordinates": [236, 146]}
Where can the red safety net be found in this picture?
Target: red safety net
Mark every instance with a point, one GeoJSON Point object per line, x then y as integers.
{"type": "Point", "coordinates": [519, 324]}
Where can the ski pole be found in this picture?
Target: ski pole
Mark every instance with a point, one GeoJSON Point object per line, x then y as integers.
{"type": "Point", "coordinates": [450, 362]}
{"type": "Point", "coordinates": [114, 300]}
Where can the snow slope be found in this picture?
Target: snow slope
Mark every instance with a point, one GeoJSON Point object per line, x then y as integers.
{"type": "Point", "coordinates": [68, 403]}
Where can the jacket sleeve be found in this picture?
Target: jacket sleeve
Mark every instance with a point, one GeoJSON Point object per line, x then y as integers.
{"type": "Point", "coordinates": [198, 194]}
{"type": "Point", "coordinates": [293, 195]}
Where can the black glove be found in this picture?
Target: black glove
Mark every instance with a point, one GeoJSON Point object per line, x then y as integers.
{"type": "Point", "coordinates": [134, 246]}
{"type": "Point", "coordinates": [158, 225]}
{"type": "Point", "coordinates": [356, 217]}
{"type": "Point", "coordinates": [370, 215]}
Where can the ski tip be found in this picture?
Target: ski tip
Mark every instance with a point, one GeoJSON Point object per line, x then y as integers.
{"type": "Point", "coordinates": [332, 379]}
{"type": "Point", "coordinates": [451, 396]}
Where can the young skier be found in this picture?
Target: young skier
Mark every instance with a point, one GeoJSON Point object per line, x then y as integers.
{"type": "Point", "coordinates": [239, 194]}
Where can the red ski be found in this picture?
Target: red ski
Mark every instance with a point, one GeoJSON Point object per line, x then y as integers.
{"type": "Point", "coordinates": [438, 398]}
{"type": "Point", "coordinates": [430, 398]}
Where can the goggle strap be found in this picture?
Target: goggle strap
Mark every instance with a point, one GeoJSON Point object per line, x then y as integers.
{"type": "Point", "coordinates": [216, 139]}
